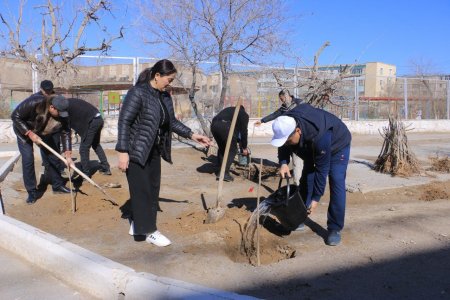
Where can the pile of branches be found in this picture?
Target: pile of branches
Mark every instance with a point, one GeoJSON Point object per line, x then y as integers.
{"type": "Point", "coordinates": [319, 86]}
{"type": "Point", "coordinates": [395, 157]}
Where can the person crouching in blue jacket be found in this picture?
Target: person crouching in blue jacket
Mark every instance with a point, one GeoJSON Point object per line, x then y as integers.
{"type": "Point", "coordinates": [322, 141]}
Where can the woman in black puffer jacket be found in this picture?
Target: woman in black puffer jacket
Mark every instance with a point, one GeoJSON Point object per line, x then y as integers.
{"type": "Point", "coordinates": [145, 127]}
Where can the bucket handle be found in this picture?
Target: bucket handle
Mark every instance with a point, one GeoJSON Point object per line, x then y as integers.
{"type": "Point", "coordinates": [288, 186]}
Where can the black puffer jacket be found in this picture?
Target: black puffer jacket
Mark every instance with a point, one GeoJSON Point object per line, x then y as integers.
{"type": "Point", "coordinates": [139, 123]}
{"type": "Point", "coordinates": [31, 115]}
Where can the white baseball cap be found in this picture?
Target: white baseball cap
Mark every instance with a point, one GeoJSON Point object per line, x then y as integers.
{"type": "Point", "coordinates": [282, 128]}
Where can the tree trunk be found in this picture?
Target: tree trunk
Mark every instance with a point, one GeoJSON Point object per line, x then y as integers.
{"type": "Point", "coordinates": [199, 116]}
{"type": "Point", "coordinates": [224, 80]}
{"type": "Point", "coordinates": [223, 92]}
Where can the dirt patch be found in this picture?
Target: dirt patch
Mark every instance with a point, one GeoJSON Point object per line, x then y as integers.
{"type": "Point", "coordinates": [228, 232]}
{"type": "Point", "coordinates": [440, 164]}
{"type": "Point", "coordinates": [294, 264]}
{"type": "Point", "coordinates": [433, 191]}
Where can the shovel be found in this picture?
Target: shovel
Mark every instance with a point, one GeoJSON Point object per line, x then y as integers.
{"type": "Point", "coordinates": [217, 213]}
{"type": "Point", "coordinates": [110, 199]}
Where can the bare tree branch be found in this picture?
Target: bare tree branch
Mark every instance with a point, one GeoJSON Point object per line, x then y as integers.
{"type": "Point", "coordinates": [49, 53]}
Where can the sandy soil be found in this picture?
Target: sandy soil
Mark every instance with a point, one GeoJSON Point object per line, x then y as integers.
{"type": "Point", "coordinates": [396, 243]}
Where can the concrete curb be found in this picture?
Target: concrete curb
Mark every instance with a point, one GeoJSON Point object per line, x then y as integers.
{"type": "Point", "coordinates": [95, 274]}
{"type": "Point", "coordinates": [7, 166]}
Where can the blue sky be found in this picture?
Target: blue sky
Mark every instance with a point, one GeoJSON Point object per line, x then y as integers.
{"type": "Point", "coordinates": [397, 32]}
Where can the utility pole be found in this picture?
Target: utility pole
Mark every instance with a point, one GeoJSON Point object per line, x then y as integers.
{"type": "Point", "coordinates": [405, 96]}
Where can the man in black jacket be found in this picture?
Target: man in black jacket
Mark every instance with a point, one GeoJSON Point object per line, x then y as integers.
{"type": "Point", "coordinates": [285, 107]}
{"type": "Point", "coordinates": [220, 127]}
{"type": "Point", "coordinates": [323, 142]}
{"type": "Point", "coordinates": [37, 118]}
{"type": "Point", "coordinates": [87, 121]}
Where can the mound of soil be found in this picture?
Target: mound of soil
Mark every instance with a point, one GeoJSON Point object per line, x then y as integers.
{"type": "Point", "coordinates": [433, 191]}
{"type": "Point", "coordinates": [440, 164]}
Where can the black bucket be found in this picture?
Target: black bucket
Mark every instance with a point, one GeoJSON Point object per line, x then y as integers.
{"type": "Point", "coordinates": [287, 205]}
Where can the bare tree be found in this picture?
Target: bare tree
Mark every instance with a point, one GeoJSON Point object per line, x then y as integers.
{"type": "Point", "coordinates": [243, 30]}
{"type": "Point", "coordinates": [423, 69]}
{"type": "Point", "coordinates": [61, 39]}
{"type": "Point", "coordinates": [172, 22]}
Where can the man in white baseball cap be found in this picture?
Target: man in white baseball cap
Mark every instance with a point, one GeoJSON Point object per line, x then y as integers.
{"type": "Point", "coordinates": [282, 128]}
{"type": "Point", "coordinates": [322, 141]}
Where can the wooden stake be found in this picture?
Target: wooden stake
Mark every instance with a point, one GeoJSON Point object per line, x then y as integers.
{"type": "Point", "coordinates": [74, 204]}
{"type": "Point", "coordinates": [257, 214]}
{"type": "Point", "coordinates": [250, 154]}
{"type": "Point", "coordinates": [111, 199]}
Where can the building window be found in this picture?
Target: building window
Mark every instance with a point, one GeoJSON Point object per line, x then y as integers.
{"type": "Point", "coordinates": [381, 71]}
{"type": "Point", "coordinates": [390, 72]}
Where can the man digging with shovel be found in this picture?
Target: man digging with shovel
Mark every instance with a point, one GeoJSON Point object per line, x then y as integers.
{"type": "Point", "coordinates": [323, 142]}
{"type": "Point", "coordinates": [36, 118]}
{"type": "Point", "coordinates": [220, 128]}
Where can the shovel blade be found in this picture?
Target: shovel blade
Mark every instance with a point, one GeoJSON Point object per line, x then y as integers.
{"type": "Point", "coordinates": [214, 215]}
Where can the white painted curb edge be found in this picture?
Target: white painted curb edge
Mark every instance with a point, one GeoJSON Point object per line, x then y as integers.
{"type": "Point", "coordinates": [9, 165]}
{"type": "Point", "coordinates": [95, 274]}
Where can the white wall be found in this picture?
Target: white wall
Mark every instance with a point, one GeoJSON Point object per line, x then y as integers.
{"type": "Point", "coordinates": [109, 132]}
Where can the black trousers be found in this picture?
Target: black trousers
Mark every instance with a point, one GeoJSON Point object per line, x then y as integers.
{"type": "Point", "coordinates": [219, 130]}
{"type": "Point", "coordinates": [144, 184]}
{"type": "Point", "coordinates": [92, 139]}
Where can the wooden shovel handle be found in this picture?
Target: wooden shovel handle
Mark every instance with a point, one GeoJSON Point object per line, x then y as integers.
{"type": "Point", "coordinates": [227, 150]}
{"type": "Point", "coordinates": [41, 142]}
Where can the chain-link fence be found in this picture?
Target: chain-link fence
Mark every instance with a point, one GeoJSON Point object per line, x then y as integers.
{"type": "Point", "coordinates": [104, 81]}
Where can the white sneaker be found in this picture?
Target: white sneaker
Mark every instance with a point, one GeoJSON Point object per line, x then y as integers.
{"type": "Point", "coordinates": [131, 231]}
{"type": "Point", "coordinates": [158, 239]}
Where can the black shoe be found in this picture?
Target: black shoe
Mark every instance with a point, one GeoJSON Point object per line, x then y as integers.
{"type": "Point", "coordinates": [78, 177]}
{"type": "Point", "coordinates": [105, 172]}
{"type": "Point", "coordinates": [61, 190]}
{"type": "Point", "coordinates": [65, 174]}
{"type": "Point", "coordinates": [31, 198]}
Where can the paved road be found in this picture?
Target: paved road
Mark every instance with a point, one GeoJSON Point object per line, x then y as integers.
{"type": "Point", "coordinates": [22, 280]}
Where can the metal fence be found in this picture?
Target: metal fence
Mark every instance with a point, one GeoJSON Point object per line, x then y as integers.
{"type": "Point", "coordinates": [104, 81]}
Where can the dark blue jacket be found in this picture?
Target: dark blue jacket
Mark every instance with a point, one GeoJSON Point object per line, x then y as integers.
{"type": "Point", "coordinates": [323, 134]}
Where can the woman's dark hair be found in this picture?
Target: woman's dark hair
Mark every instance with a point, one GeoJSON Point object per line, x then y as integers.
{"type": "Point", "coordinates": [164, 67]}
